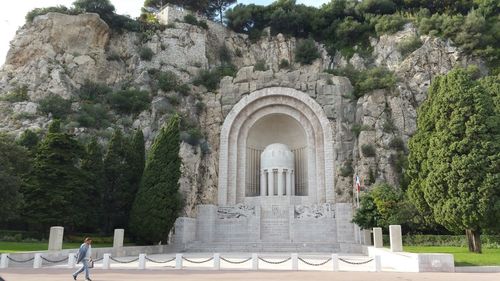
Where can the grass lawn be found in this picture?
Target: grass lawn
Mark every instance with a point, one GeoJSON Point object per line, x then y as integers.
{"type": "Point", "coordinates": [461, 255]}
{"type": "Point", "coordinates": [13, 247]}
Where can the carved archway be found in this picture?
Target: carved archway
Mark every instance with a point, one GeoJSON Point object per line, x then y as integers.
{"type": "Point", "coordinates": [295, 104]}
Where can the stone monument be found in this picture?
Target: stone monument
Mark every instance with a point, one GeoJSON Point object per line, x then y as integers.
{"type": "Point", "coordinates": [276, 182]}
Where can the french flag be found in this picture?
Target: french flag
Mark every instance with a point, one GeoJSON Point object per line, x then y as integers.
{"type": "Point", "coordinates": [358, 183]}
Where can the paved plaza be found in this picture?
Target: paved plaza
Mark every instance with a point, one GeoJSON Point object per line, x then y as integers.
{"type": "Point", "coordinates": [194, 275]}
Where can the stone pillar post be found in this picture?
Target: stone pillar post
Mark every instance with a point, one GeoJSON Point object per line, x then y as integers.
{"type": "Point", "coordinates": [56, 238]}
{"type": "Point", "coordinates": [281, 185]}
{"type": "Point", "coordinates": [217, 261]}
{"type": "Point", "coordinates": [263, 183]}
{"type": "Point", "coordinates": [395, 238]}
{"type": "Point", "coordinates": [37, 262]}
{"type": "Point", "coordinates": [106, 261]}
{"type": "Point", "coordinates": [178, 261]}
{"type": "Point", "coordinates": [4, 261]}
{"type": "Point", "coordinates": [377, 237]}
{"type": "Point", "coordinates": [255, 262]}
{"type": "Point", "coordinates": [118, 241]}
{"type": "Point", "coordinates": [367, 237]}
{"type": "Point", "coordinates": [292, 178]}
{"type": "Point", "coordinates": [71, 260]}
{"type": "Point", "coordinates": [142, 261]}
{"type": "Point", "coordinates": [288, 182]}
{"type": "Point", "coordinates": [270, 182]}
{"type": "Point", "coordinates": [335, 262]}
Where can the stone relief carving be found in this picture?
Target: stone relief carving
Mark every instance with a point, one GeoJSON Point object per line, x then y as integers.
{"type": "Point", "coordinates": [236, 212]}
{"type": "Point", "coordinates": [314, 211]}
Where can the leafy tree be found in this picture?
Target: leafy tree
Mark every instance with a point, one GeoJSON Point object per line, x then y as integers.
{"type": "Point", "coordinates": [158, 201]}
{"type": "Point", "coordinates": [15, 164]}
{"type": "Point", "coordinates": [55, 105]}
{"type": "Point", "coordinates": [306, 51]}
{"type": "Point", "coordinates": [118, 191]}
{"type": "Point", "coordinates": [56, 194]}
{"type": "Point", "coordinates": [129, 101]}
{"type": "Point", "coordinates": [29, 140]}
{"type": "Point", "coordinates": [102, 7]}
{"type": "Point", "coordinates": [379, 7]}
{"type": "Point", "coordinates": [455, 155]}
{"type": "Point", "coordinates": [217, 7]}
{"type": "Point", "coordinates": [93, 168]}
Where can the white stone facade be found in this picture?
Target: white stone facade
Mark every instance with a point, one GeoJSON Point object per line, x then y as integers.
{"type": "Point", "coordinates": [270, 208]}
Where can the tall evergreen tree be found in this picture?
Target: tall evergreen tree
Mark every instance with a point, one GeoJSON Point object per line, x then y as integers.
{"type": "Point", "coordinates": [136, 161]}
{"type": "Point", "coordinates": [56, 191]}
{"type": "Point", "coordinates": [93, 168]}
{"type": "Point", "coordinates": [217, 8]}
{"type": "Point", "coordinates": [455, 155]}
{"type": "Point", "coordinates": [158, 201]}
{"type": "Point", "coordinates": [29, 140]}
{"type": "Point", "coordinates": [120, 190]}
{"type": "Point", "coordinates": [14, 165]}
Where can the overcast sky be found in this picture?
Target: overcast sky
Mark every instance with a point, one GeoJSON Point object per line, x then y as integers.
{"type": "Point", "coordinates": [12, 14]}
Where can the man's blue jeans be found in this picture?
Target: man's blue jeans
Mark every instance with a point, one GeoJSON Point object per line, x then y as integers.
{"type": "Point", "coordinates": [85, 266]}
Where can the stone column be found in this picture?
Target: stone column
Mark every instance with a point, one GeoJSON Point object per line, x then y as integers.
{"type": "Point", "coordinates": [292, 177]}
{"type": "Point", "coordinates": [367, 237]}
{"type": "Point", "coordinates": [288, 184]}
{"type": "Point", "coordinates": [263, 185]}
{"type": "Point", "coordinates": [395, 238]}
{"type": "Point", "coordinates": [118, 238]}
{"type": "Point", "coordinates": [281, 184]}
{"type": "Point", "coordinates": [270, 182]}
{"type": "Point", "coordinates": [377, 237]}
{"type": "Point", "coordinates": [56, 238]}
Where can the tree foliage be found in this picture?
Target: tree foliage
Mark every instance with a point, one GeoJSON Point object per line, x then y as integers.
{"type": "Point", "coordinates": [455, 154]}
{"type": "Point", "coordinates": [158, 201]}
{"type": "Point", "coordinates": [55, 193]}
{"type": "Point", "coordinates": [14, 165]}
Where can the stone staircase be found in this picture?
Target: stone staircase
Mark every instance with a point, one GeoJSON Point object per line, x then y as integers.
{"type": "Point", "coordinates": [261, 247]}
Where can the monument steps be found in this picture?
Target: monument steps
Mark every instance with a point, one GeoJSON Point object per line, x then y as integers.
{"type": "Point", "coordinates": [289, 247]}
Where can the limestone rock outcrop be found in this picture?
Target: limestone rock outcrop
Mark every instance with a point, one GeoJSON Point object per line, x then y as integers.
{"type": "Point", "coordinates": [57, 53]}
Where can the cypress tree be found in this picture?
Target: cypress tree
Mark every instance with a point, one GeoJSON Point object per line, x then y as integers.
{"type": "Point", "coordinates": [455, 155]}
{"type": "Point", "coordinates": [117, 184]}
{"type": "Point", "coordinates": [55, 194]}
{"type": "Point", "coordinates": [136, 162]}
{"type": "Point", "coordinates": [93, 168]}
{"type": "Point", "coordinates": [158, 200]}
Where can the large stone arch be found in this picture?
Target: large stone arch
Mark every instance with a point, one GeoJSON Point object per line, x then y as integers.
{"type": "Point", "coordinates": [249, 110]}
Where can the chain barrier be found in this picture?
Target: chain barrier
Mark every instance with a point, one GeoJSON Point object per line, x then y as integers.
{"type": "Point", "coordinates": [119, 261]}
{"type": "Point", "coordinates": [20, 261]}
{"type": "Point", "coordinates": [355, 263]}
{"type": "Point", "coordinates": [315, 264]}
{"type": "Point", "coordinates": [235, 262]}
{"type": "Point", "coordinates": [192, 261]}
{"type": "Point", "coordinates": [99, 259]}
{"type": "Point", "coordinates": [156, 261]}
{"type": "Point", "coordinates": [274, 262]}
{"type": "Point", "coordinates": [56, 261]}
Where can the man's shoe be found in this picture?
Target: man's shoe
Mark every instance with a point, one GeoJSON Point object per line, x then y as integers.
{"type": "Point", "coordinates": [74, 277]}
{"type": "Point", "coordinates": [88, 279]}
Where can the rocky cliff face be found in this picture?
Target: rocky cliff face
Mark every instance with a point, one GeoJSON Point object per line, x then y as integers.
{"type": "Point", "coordinates": [57, 53]}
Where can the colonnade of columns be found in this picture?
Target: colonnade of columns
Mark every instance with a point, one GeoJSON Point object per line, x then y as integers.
{"type": "Point", "coordinates": [285, 182]}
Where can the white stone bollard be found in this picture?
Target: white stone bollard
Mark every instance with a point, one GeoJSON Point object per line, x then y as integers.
{"type": "Point", "coordinates": [71, 260]}
{"type": "Point", "coordinates": [255, 262]}
{"type": "Point", "coordinates": [56, 238]}
{"type": "Point", "coordinates": [142, 261]}
{"type": "Point", "coordinates": [4, 261]}
{"type": "Point", "coordinates": [335, 262]}
{"type": "Point", "coordinates": [295, 261]}
{"type": "Point", "coordinates": [37, 262]}
{"type": "Point", "coordinates": [106, 261]}
{"type": "Point", "coordinates": [367, 237]}
{"type": "Point", "coordinates": [378, 242]}
{"type": "Point", "coordinates": [378, 263]}
{"type": "Point", "coordinates": [178, 261]}
{"type": "Point", "coordinates": [217, 261]}
{"type": "Point", "coordinates": [118, 238]}
{"type": "Point", "coordinates": [396, 238]}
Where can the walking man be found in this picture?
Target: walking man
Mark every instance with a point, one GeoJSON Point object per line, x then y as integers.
{"type": "Point", "coordinates": [83, 256]}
